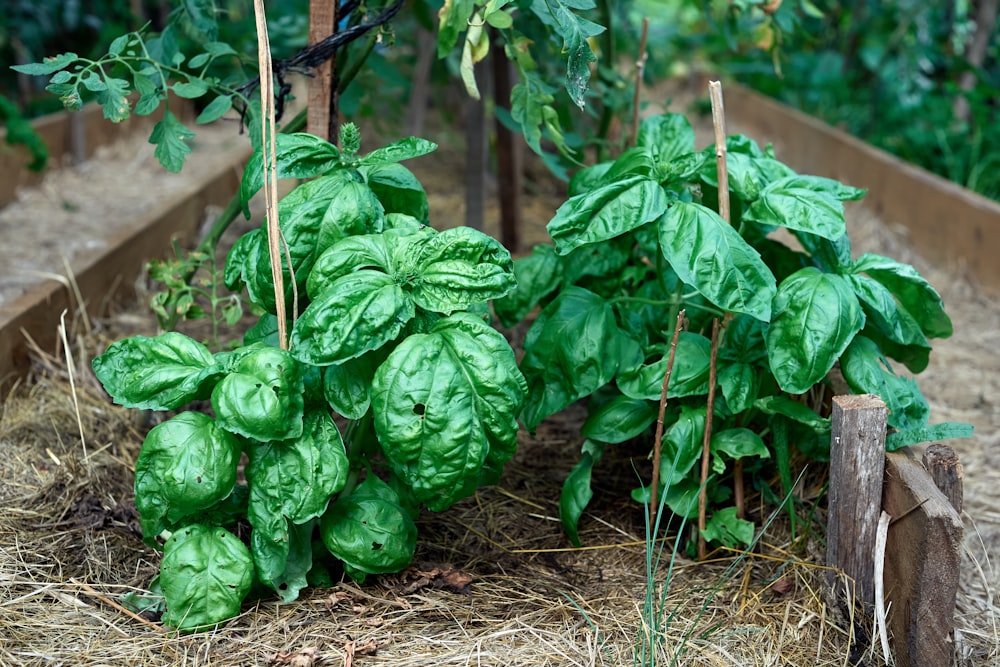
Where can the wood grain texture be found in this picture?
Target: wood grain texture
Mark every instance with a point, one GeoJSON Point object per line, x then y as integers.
{"type": "Point", "coordinates": [945, 469]}
{"type": "Point", "coordinates": [857, 463]}
{"type": "Point", "coordinates": [923, 554]}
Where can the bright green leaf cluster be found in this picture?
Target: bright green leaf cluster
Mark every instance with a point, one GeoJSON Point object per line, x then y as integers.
{"type": "Point", "coordinates": [389, 338]}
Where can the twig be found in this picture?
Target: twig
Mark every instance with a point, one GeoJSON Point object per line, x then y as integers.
{"type": "Point", "coordinates": [706, 442]}
{"type": "Point", "coordinates": [114, 605]}
{"type": "Point", "coordinates": [881, 535]}
{"type": "Point", "coordinates": [72, 384]}
{"type": "Point", "coordinates": [719, 124]}
{"type": "Point", "coordinates": [268, 129]}
{"type": "Point", "coordinates": [640, 67]}
{"type": "Point", "coordinates": [659, 419]}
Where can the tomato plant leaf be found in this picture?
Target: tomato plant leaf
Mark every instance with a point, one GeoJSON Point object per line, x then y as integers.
{"type": "Point", "coordinates": [711, 256]}
{"type": "Point", "coordinates": [574, 32]}
{"type": "Point", "coordinates": [815, 317]}
{"type": "Point", "coordinates": [48, 65]}
{"type": "Point", "coordinates": [606, 212]}
{"type": "Point", "coordinates": [205, 574]}
{"type": "Point", "coordinates": [215, 109]}
{"type": "Point", "coordinates": [170, 137]}
{"type": "Point", "coordinates": [443, 402]}
{"type": "Point", "coordinates": [186, 465]}
{"type": "Point", "coordinates": [164, 372]}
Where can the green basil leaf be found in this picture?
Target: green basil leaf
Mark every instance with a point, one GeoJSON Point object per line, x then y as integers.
{"type": "Point", "coordinates": [359, 312]}
{"type": "Point", "coordinates": [606, 212]}
{"type": "Point", "coordinates": [620, 419]}
{"type": "Point", "coordinates": [638, 161]}
{"type": "Point", "coordinates": [354, 210]}
{"type": "Point", "coordinates": [372, 535]}
{"type": "Point", "coordinates": [835, 189]}
{"type": "Point", "coordinates": [711, 256]}
{"type": "Point", "coordinates": [445, 404]}
{"type": "Point", "coordinates": [833, 256]}
{"type": "Point", "coordinates": [892, 321]}
{"type": "Point", "coordinates": [205, 574]}
{"type": "Point", "coordinates": [736, 443]}
{"type": "Point", "coordinates": [262, 396]}
{"type": "Point", "coordinates": [911, 289]}
{"type": "Point", "coordinates": [186, 465]}
{"type": "Point", "coordinates": [600, 260]}
{"type": "Point", "coordinates": [569, 352]}
{"type": "Point", "coordinates": [783, 406]}
{"type": "Point", "coordinates": [726, 528]}
{"type": "Point", "coordinates": [666, 136]}
{"type": "Point", "coordinates": [454, 269]}
{"type": "Point", "coordinates": [354, 253]}
{"type": "Point", "coordinates": [576, 492]}
{"type": "Point", "coordinates": [347, 386]}
{"type": "Point", "coordinates": [160, 373]}
{"type": "Point", "coordinates": [786, 204]}
{"type": "Point", "coordinates": [537, 275]}
{"type": "Point", "coordinates": [689, 376]}
{"type": "Point", "coordinates": [815, 317]}
{"type": "Point", "coordinates": [744, 340]}
{"type": "Point", "coordinates": [682, 445]}
{"type": "Point", "coordinates": [397, 189]}
{"type": "Point", "coordinates": [739, 384]}
{"type": "Point", "coordinates": [299, 155]}
{"type": "Point", "coordinates": [589, 178]}
{"type": "Point", "coordinates": [397, 151]}
{"type": "Point", "coordinates": [868, 372]}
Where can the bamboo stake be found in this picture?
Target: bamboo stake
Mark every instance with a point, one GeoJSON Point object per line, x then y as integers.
{"type": "Point", "coordinates": [640, 67]}
{"type": "Point", "coordinates": [657, 447]}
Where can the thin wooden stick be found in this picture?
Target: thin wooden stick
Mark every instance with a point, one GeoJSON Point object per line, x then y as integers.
{"type": "Point", "coordinates": [640, 67]}
{"type": "Point", "coordinates": [268, 132]}
{"type": "Point", "coordinates": [114, 605]}
{"type": "Point", "coordinates": [719, 124]}
{"type": "Point", "coordinates": [657, 447]}
{"type": "Point", "coordinates": [706, 443]}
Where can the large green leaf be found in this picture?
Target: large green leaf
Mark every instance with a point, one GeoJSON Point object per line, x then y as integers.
{"type": "Point", "coordinates": [666, 136]}
{"type": "Point", "coordinates": [398, 189]}
{"type": "Point", "coordinates": [369, 530]}
{"type": "Point", "coordinates": [205, 574]}
{"type": "Point", "coordinates": [445, 405]}
{"type": "Point", "coordinates": [186, 465]}
{"type": "Point", "coordinates": [868, 372]}
{"type": "Point", "coordinates": [893, 322]}
{"type": "Point", "coordinates": [689, 376]}
{"type": "Point", "coordinates": [347, 386]}
{"type": "Point", "coordinates": [815, 317]}
{"type": "Point", "coordinates": [787, 204]}
{"type": "Point", "coordinates": [398, 151]}
{"type": "Point", "coordinates": [570, 351]}
{"type": "Point", "coordinates": [164, 372]}
{"type": "Point", "coordinates": [735, 443]}
{"type": "Point", "coordinates": [537, 275]}
{"type": "Point", "coordinates": [358, 312]}
{"type": "Point", "coordinates": [299, 155]}
{"type": "Point", "coordinates": [725, 527]}
{"type": "Point", "coordinates": [261, 397]}
{"type": "Point", "coordinates": [606, 212]}
{"type": "Point", "coordinates": [620, 419]}
{"type": "Point", "coordinates": [711, 256]}
{"type": "Point", "coordinates": [290, 483]}
{"type": "Point", "coordinates": [739, 383]}
{"type": "Point", "coordinates": [911, 289]}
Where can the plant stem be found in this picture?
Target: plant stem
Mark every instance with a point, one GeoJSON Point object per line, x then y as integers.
{"type": "Point", "coordinates": [706, 442]}
{"type": "Point", "coordinates": [657, 445]}
{"type": "Point", "coordinates": [609, 57]}
{"type": "Point", "coordinates": [640, 66]}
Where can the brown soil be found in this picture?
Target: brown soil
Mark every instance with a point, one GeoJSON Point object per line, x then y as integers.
{"type": "Point", "coordinates": [69, 544]}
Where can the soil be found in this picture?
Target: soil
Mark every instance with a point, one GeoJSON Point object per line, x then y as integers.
{"type": "Point", "coordinates": [496, 582]}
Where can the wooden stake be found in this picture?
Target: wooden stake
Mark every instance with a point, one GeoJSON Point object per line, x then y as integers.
{"type": "Point", "coordinates": [510, 156]}
{"type": "Point", "coordinates": [857, 463]}
{"type": "Point", "coordinates": [706, 443]}
{"type": "Point", "coordinates": [322, 96]}
{"type": "Point", "coordinates": [658, 437]}
{"type": "Point", "coordinates": [640, 66]}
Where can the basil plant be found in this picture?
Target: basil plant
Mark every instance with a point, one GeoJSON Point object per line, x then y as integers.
{"type": "Point", "coordinates": [394, 392]}
{"type": "Point", "coordinates": [638, 240]}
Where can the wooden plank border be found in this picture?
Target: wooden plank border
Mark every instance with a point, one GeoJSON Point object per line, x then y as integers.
{"type": "Point", "coordinates": [948, 225]}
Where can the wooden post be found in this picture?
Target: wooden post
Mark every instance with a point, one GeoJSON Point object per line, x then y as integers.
{"type": "Point", "coordinates": [945, 469]}
{"type": "Point", "coordinates": [922, 558]}
{"type": "Point", "coordinates": [857, 464]}
{"type": "Point", "coordinates": [476, 162]}
{"type": "Point", "coordinates": [510, 156]}
{"type": "Point", "coordinates": [322, 96]}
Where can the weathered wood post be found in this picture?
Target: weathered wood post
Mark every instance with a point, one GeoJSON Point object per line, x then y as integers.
{"type": "Point", "coordinates": [323, 119]}
{"type": "Point", "coordinates": [857, 465]}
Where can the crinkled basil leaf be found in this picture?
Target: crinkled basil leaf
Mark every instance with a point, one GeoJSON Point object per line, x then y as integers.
{"type": "Point", "coordinates": [358, 312]}
{"type": "Point", "coordinates": [369, 532]}
{"type": "Point", "coordinates": [262, 395]}
{"type": "Point", "coordinates": [666, 136]}
{"type": "Point", "coordinates": [398, 151]}
{"type": "Point", "coordinates": [744, 340]}
{"type": "Point", "coordinates": [829, 186]}
{"type": "Point", "coordinates": [164, 372]}
{"type": "Point", "coordinates": [735, 443]}
{"type": "Point", "coordinates": [292, 482]}
{"type": "Point", "coordinates": [689, 376]}
{"type": "Point", "coordinates": [354, 210]}
{"type": "Point", "coordinates": [299, 155]}
{"type": "Point", "coordinates": [445, 406]}
{"type": "Point", "coordinates": [398, 190]}
{"type": "Point", "coordinates": [576, 492]}
{"type": "Point", "coordinates": [739, 384]}
{"type": "Point", "coordinates": [815, 316]}
{"type": "Point", "coordinates": [609, 211]}
{"type": "Point", "coordinates": [205, 574]}
{"type": "Point", "coordinates": [589, 178]}
{"type": "Point", "coordinates": [355, 253]}
{"type": "Point", "coordinates": [832, 256]}
{"type": "Point", "coordinates": [912, 290]}
{"type": "Point", "coordinates": [787, 204]}
{"type": "Point", "coordinates": [570, 351]}
{"type": "Point", "coordinates": [186, 465]}
{"type": "Point", "coordinates": [347, 386]}
{"type": "Point", "coordinates": [708, 254]}
{"type": "Point", "coordinates": [537, 275]}
{"type": "Point", "coordinates": [620, 419]}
